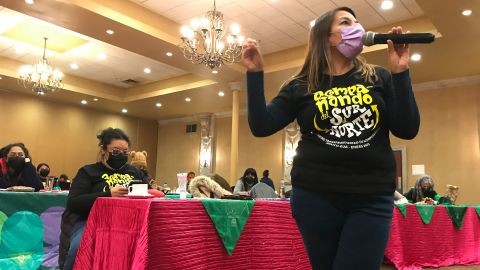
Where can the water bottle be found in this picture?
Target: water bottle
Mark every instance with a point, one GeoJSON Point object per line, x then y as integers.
{"type": "Point", "coordinates": [282, 189]}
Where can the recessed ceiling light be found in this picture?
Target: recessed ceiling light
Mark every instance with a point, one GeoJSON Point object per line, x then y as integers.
{"type": "Point", "coordinates": [83, 102]}
{"type": "Point", "coordinates": [102, 56]}
{"type": "Point", "coordinates": [387, 4]}
{"type": "Point", "coordinates": [215, 71]}
{"type": "Point", "coordinates": [124, 110]}
{"type": "Point", "coordinates": [73, 66]}
{"type": "Point", "coordinates": [30, 2]}
{"type": "Point", "coordinates": [221, 93]}
{"type": "Point", "coordinates": [110, 31]}
{"type": "Point", "coordinates": [158, 104]}
{"type": "Point", "coordinates": [95, 99]}
{"type": "Point", "coordinates": [19, 50]}
{"type": "Point", "coordinates": [416, 57]}
{"type": "Point", "coordinates": [1, 77]}
{"type": "Point", "coordinates": [169, 54]}
{"type": "Point", "coordinates": [312, 23]}
{"type": "Point", "coordinates": [147, 70]}
{"type": "Point", "coordinates": [188, 99]}
{"type": "Point", "coordinates": [467, 12]}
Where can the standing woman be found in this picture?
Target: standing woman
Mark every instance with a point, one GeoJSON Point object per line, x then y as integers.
{"type": "Point", "coordinates": [106, 178]}
{"type": "Point", "coordinates": [343, 175]}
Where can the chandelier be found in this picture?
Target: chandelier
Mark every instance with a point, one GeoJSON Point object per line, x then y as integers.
{"type": "Point", "coordinates": [41, 76]}
{"type": "Point", "coordinates": [203, 42]}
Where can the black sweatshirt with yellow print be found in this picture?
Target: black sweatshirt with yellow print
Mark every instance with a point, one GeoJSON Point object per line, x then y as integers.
{"type": "Point", "coordinates": [95, 180]}
{"type": "Point", "coordinates": [345, 124]}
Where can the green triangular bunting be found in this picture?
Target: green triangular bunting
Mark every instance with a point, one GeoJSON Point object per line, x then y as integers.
{"type": "Point", "coordinates": [229, 218]}
{"type": "Point", "coordinates": [456, 214]}
{"type": "Point", "coordinates": [403, 208]}
{"type": "Point", "coordinates": [425, 211]}
{"type": "Point", "coordinates": [477, 209]}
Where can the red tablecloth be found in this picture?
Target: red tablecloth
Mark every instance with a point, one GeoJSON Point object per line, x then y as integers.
{"type": "Point", "coordinates": [178, 234]}
{"type": "Point", "coordinates": [413, 244]}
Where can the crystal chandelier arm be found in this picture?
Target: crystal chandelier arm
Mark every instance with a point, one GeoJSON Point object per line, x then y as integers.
{"type": "Point", "coordinates": [44, 49]}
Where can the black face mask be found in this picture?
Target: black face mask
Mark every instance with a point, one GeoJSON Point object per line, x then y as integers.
{"type": "Point", "coordinates": [249, 179]}
{"type": "Point", "coordinates": [44, 172]}
{"type": "Point", "coordinates": [117, 161]}
{"type": "Point", "coordinates": [425, 190]}
{"type": "Point", "coordinates": [16, 163]}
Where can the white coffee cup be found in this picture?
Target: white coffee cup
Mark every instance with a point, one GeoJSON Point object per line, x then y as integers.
{"type": "Point", "coordinates": [138, 189]}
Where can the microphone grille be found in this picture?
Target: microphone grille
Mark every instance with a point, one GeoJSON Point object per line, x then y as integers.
{"type": "Point", "coordinates": [368, 38]}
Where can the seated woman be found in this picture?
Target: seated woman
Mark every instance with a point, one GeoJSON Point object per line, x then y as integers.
{"type": "Point", "coordinates": [246, 182]}
{"type": "Point", "coordinates": [423, 189]}
{"type": "Point", "coordinates": [16, 169]}
{"type": "Point", "coordinates": [106, 178]}
{"type": "Point", "coordinates": [43, 170]}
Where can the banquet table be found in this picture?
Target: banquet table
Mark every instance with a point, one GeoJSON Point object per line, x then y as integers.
{"type": "Point", "coordinates": [30, 229]}
{"type": "Point", "coordinates": [179, 234]}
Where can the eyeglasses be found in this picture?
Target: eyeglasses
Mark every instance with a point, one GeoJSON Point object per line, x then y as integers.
{"type": "Point", "coordinates": [116, 152]}
{"type": "Point", "coordinates": [13, 154]}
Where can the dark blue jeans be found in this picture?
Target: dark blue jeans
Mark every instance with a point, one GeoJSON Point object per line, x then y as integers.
{"type": "Point", "coordinates": [343, 231]}
{"type": "Point", "coordinates": [75, 239]}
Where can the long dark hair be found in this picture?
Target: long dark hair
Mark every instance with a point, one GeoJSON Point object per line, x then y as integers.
{"type": "Point", "coordinates": [247, 172]}
{"type": "Point", "coordinates": [4, 151]}
{"type": "Point", "coordinates": [318, 56]}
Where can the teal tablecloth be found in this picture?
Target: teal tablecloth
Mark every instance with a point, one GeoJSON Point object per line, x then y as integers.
{"type": "Point", "coordinates": [30, 229]}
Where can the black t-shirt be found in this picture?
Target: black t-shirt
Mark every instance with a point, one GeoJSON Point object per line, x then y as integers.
{"type": "Point", "coordinates": [95, 180]}
{"type": "Point", "coordinates": [345, 127]}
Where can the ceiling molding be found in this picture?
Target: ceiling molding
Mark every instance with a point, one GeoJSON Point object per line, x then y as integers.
{"type": "Point", "coordinates": [456, 82]}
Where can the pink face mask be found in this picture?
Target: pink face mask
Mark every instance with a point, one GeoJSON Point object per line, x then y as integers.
{"type": "Point", "coordinates": [351, 44]}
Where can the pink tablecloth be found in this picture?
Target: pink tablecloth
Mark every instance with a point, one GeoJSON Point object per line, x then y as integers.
{"type": "Point", "coordinates": [413, 244]}
{"type": "Point", "coordinates": [178, 234]}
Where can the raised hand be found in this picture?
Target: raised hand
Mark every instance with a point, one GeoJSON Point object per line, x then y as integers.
{"type": "Point", "coordinates": [398, 54]}
{"type": "Point", "coordinates": [251, 56]}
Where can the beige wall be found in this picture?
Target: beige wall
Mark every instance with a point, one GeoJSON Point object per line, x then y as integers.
{"type": "Point", "coordinates": [257, 153]}
{"type": "Point", "coordinates": [179, 151]}
{"type": "Point", "coordinates": [64, 136]}
{"type": "Point", "coordinates": [448, 141]}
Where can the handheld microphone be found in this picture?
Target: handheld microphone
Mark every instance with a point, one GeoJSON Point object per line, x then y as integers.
{"type": "Point", "coordinates": [371, 38]}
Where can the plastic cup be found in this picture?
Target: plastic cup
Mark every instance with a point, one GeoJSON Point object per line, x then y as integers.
{"type": "Point", "coordinates": [182, 182]}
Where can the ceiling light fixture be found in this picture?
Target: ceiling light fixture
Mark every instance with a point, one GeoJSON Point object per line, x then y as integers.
{"type": "Point", "coordinates": [221, 93]}
{"type": "Point", "coordinates": [74, 66]}
{"type": "Point", "coordinates": [147, 70]}
{"type": "Point", "coordinates": [188, 99]}
{"type": "Point", "coordinates": [30, 2]}
{"type": "Point", "coordinates": [416, 57]}
{"type": "Point", "coordinates": [467, 12]}
{"type": "Point", "coordinates": [203, 42]}
{"type": "Point", "coordinates": [387, 4]}
{"type": "Point", "coordinates": [83, 102]}
{"type": "Point", "coordinates": [158, 105]}
{"type": "Point", "coordinates": [110, 31]}
{"type": "Point", "coordinates": [41, 76]}
{"type": "Point", "coordinates": [215, 71]}
{"type": "Point", "coordinates": [95, 99]}
{"type": "Point", "coordinates": [124, 110]}
{"type": "Point", "coordinates": [169, 54]}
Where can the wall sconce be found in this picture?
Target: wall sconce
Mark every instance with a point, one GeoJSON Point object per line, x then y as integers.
{"type": "Point", "coordinates": [205, 157]}
{"type": "Point", "coordinates": [290, 154]}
